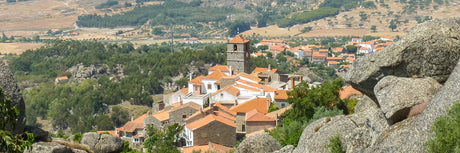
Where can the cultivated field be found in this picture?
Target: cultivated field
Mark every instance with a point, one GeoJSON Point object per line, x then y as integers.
{"type": "Point", "coordinates": [18, 48]}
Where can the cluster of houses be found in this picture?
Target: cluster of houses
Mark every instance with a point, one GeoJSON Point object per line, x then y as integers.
{"type": "Point", "coordinates": [220, 108]}
{"type": "Point", "coordinates": [319, 54]}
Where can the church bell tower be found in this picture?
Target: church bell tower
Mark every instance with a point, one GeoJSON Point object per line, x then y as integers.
{"type": "Point", "coordinates": [238, 54]}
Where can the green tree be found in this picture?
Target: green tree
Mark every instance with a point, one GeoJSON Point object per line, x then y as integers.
{"type": "Point", "coordinates": [306, 29]}
{"type": "Point", "coordinates": [183, 82]}
{"type": "Point", "coordinates": [374, 28]}
{"type": "Point", "coordinates": [158, 31]}
{"type": "Point", "coordinates": [162, 141]}
{"type": "Point", "coordinates": [393, 25]}
{"type": "Point", "coordinates": [445, 132]}
{"type": "Point", "coordinates": [9, 142]}
{"type": "Point", "coordinates": [351, 49]}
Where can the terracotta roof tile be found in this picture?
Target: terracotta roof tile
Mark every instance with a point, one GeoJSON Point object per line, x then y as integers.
{"type": "Point", "coordinates": [338, 49]}
{"type": "Point", "coordinates": [138, 123]}
{"type": "Point", "coordinates": [215, 75]}
{"type": "Point", "coordinates": [217, 148]}
{"type": "Point", "coordinates": [202, 148]}
{"type": "Point", "coordinates": [62, 78]}
{"type": "Point", "coordinates": [255, 116]}
{"type": "Point", "coordinates": [238, 39]}
{"type": "Point", "coordinates": [220, 68]}
{"type": "Point", "coordinates": [333, 58]}
{"type": "Point", "coordinates": [250, 77]}
{"type": "Point", "coordinates": [258, 103]}
{"type": "Point", "coordinates": [350, 59]}
{"type": "Point", "coordinates": [260, 69]}
{"type": "Point", "coordinates": [273, 41]}
{"type": "Point", "coordinates": [208, 119]}
{"type": "Point", "coordinates": [317, 55]}
{"type": "Point", "coordinates": [230, 89]}
{"type": "Point", "coordinates": [184, 91]}
{"type": "Point", "coordinates": [281, 95]}
{"type": "Point", "coordinates": [256, 85]}
{"type": "Point", "coordinates": [260, 131]}
{"type": "Point", "coordinates": [224, 115]}
{"type": "Point", "coordinates": [162, 116]}
{"type": "Point", "coordinates": [332, 62]}
{"type": "Point", "coordinates": [225, 109]}
{"type": "Point", "coordinates": [348, 91]}
{"type": "Point", "coordinates": [323, 50]}
{"type": "Point", "coordinates": [202, 112]}
{"type": "Point", "coordinates": [189, 104]}
{"type": "Point", "coordinates": [279, 47]}
{"type": "Point", "coordinates": [347, 66]}
{"type": "Point", "coordinates": [387, 37]}
{"type": "Point", "coordinates": [197, 80]}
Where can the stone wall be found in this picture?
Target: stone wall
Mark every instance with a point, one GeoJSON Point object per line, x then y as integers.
{"type": "Point", "coordinates": [177, 115]}
{"type": "Point", "coordinates": [239, 58]}
{"type": "Point", "coordinates": [215, 132]}
{"type": "Point", "coordinates": [254, 126]}
{"type": "Point", "coordinates": [240, 121]}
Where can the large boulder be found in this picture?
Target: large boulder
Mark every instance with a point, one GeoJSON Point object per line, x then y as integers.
{"type": "Point", "coordinates": [285, 149]}
{"type": "Point", "coordinates": [11, 91]}
{"type": "Point", "coordinates": [396, 95]}
{"type": "Point", "coordinates": [259, 143]}
{"type": "Point", "coordinates": [102, 143]}
{"type": "Point", "coordinates": [315, 137]}
{"type": "Point", "coordinates": [410, 135]}
{"type": "Point", "coordinates": [431, 49]}
{"type": "Point", "coordinates": [39, 134]}
{"type": "Point", "coordinates": [49, 147]}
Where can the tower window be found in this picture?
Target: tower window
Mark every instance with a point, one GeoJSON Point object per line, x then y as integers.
{"type": "Point", "coordinates": [235, 47]}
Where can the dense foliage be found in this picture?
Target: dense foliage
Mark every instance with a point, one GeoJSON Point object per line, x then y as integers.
{"type": "Point", "coordinates": [446, 132]}
{"type": "Point", "coordinates": [82, 106]}
{"type": "Point", "coordinates": [308, 105]}
{"type": "Point", "coordinates": [9, 142]}
{"type": "Point", "coordinates": [169, 13]}
{"type": "Point", "coordinates": [163, 141]}
{"type": "Point", "coordinates": [309, 16]}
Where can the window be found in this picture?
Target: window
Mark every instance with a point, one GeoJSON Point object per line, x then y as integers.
{"type": "Point", "coordinates": [283, 105]}
{"type": "Point", "coordinates": [221, 94]}
{"type": "Point", "coordinates": [184, 116]}
{"type": "Point", "coordinates": [196, 88]}
{"type": "Point", "coordinates": [209, 86]}
{"type": "Point", "coordinates": [235, 47]}
{"type": "Point", "coordinates": [243, 128]}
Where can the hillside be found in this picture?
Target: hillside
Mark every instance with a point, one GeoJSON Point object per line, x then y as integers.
{"type": "Point", "coordinates": [404, 15]}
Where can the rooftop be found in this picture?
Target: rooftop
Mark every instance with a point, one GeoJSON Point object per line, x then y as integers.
{"type": "Point", "coordinates": [215, 75]}
{"type": "Point", "coordinates": [256, 116]}
{"type": "Point", "coordinates": [162, 116]}
{"type": "Point", "coordinates": [208, 119]}
{"type": "Point", "coordinates": [260, 69]}
{"type": "Point", "coordinates": [238, 39]}
{"type": "Point", "coordinates": [189, 104]}
{"type": "Point", "coordinates": [138, 123]}
{"type": "Point", "coordinates": [281, 95]}
{"type": "Point", "coordinates": [348, 91]}
{"type": "Point", "coordinates": [220, 68]}
{"type": "Point", "coordinates": [260, 104]}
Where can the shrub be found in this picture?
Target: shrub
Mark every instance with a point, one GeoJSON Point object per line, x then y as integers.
{"type": "Point", "coordinates": [446, 132]}
{"type": "Point", "coordinates": [77, 137]}
{"type": "Point", "coordinates": [335, 145]}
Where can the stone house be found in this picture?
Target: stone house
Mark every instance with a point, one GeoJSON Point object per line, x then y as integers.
{"type": "Point", "coordinates": [260, 104]}
{"type": "Point", "coordinates": [158, 120]}
{"type": "Point", "coordinates": [133, 130]}
{"type": "Point", "coordinates": [180, 113]}
{"type": "Point", "coordinates": [281, 99]}
{"type": "Point", "coordinates": [216, 109]}
{"type": "Point", "coordinates": [211, 128]}
{"type": "Point", "coordinates": [256, 121]}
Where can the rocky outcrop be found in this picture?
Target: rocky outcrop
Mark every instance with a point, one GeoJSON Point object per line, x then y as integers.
{"type": "Point", "coordinates": [286, 149]}
{"type": "Point", "coordinates": [49, 147]}
{"type": "Point", "coordinates": [431, 49]}
{"type": "Point", "coordinates": [394, 99]}
{"type": "Point", "coordinates": [39, 134]}
{"type": "Point", "coordinates": [12, 92]}
{"type": "Point", "coordinates": [81, 72]}
{"type": "Point", "coordinates": [259, 143]}
{"type": "Point", "coordinates": [102, 143]}
{"type": "Point", "coordinates": [315, 137]}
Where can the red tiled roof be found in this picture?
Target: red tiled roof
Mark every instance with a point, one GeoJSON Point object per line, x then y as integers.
{"type": "Point", "coordinates": [256, 116]}
{"type": "Point", "coordinates": [387, 37]}
{"type": "Point", "coordinates": [279, 47]}
{"type": "Point", "coordinates": [162, 116]}
{"type": "Point", "coordinates": [215, 75]}
{"type": "Point", "coordinates": [238, 39]}
{"type": "Point", "coordinates": [317, 55]}
{"type": "Point", "coordinates": [348, 91]}
{"type": "Point", "coordinates": [208, 119]}
{"type": "Point", "coordinates": [281, 95]}
{"type": "Point", "coordinates": [338, 49]}
{"type": "Point", "coordinates": [356, 38]}
{"type": "Point", "coordinates": [323, 50]}
{"type": "Point", "coordinates": [62, 78]}
{"type": "Point", "coordinates": [184, 91]}
{"type": "Point", "coordinates": [138, 123]}
{"type": "Point", "coordinates": [217, 148]}
{"type": "Point", "coordinates": [225, 109]}
{"type": "Point", "coordinates": [250, 77]}
{"type": "Point", "coordinates": [220, 68]}
{"type": "Point", "coordinates": [201, 148]}
{"type": "Point", "coordinates": [224, 115]}
{"type": "Point", "coordinates": [350, 59]}
{"type": "Point", "coordinates": [189, 104]}
{"type": "Point", "coordinates": [333, 62]}
{"type": "Point", "coordinates": [259, 69]}
{"type": "Point", "coordinates": [346, 66]}
{"type": "Point", "coordinates": [333, 58]}
{"type": "Point", "coordinates": [185, 35]}
{"type": "Point", "coordinates": [194, 38]}
{"type": "Point", "coordinates": [197, 80]}
{"type": "Point", "coordinates": [260, 131]}
{"type": "Point", "coordinates": [258, 103]}
{"type": "Point", "coordinates": [230, 89]}
{"type": "Point", "coordinates": [256, 85]}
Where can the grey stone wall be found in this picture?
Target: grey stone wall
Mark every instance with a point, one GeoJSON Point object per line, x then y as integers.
{"type": "Point", "coordinates": [239, 58]}
{"type": "Point", "coordinates": [240, 121]}
{"type": "Point", "coordinates": [257, 126]}
{"type": "Point", "coordinates": [215, 132]}
{"type": "Point", "coordinates": [177, 115]}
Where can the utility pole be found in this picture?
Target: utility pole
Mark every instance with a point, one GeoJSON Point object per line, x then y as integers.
{"type": "Point", "coordinates": [172, 39]}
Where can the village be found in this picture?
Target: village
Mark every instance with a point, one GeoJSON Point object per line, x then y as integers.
{"type": "Point", "coordinates": [231, 103]}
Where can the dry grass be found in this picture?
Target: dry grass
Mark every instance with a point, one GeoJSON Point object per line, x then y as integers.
{"type": "Point", "coordinates": [136, 110]}
{"type": "Point", "coordinates": [328, 119]}
{"type": "Point", "coordinates": [18, 48]}
{"type": "Point", "coordinates": [318, 127]}
{"type": "Point", "coordinates": [386, 135]}
{"type": "Point", "coordinates": [74, 145]}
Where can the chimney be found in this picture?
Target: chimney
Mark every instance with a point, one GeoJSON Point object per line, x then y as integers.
{"type": "Point", "coordinates": [231, 73]}
{"type": "Point", "coordinates": [292, 83]}
{"type": "Point", "coordinates": [132, 118]}
{"type": "Point", "coordinates": [301, 78]}
{"type": "Point", "coordinates": [268, 103]}
{"type": "Point", "coordinates": [269, 67]}
{"type": "Point", "coordinates": [262, 92]}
